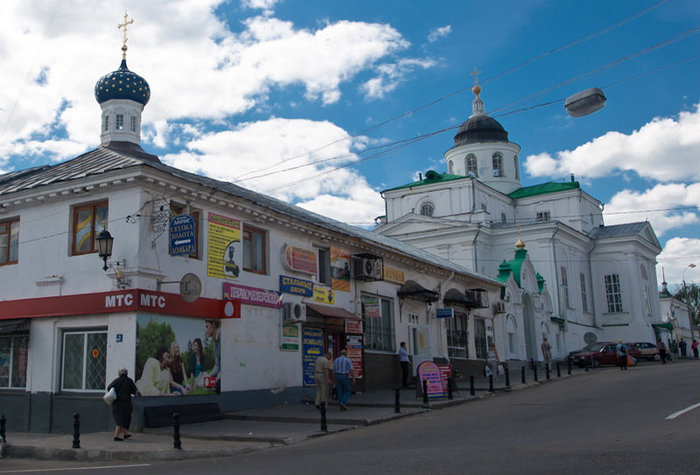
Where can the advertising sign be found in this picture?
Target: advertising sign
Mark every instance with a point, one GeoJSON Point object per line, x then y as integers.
{"type": "Point", "coordinates": [445, 374]}
{"type": "Point", "coordinates": [299, 259]}
{"type": "Point", "coordinates": [371, 305]}
{"type": "Point", "coordinates": [353, 326]}
{"type": "Point", "coordinates": [290, 337]}
{"type": "Point", "coordinates": [445, 313]}
{"type": "Point", "coordinates": [340, 269]}
{"type": "Point", "coordinates": [324, 295]}
{"type": "Point", "coordinates": [312, 348]}
{"type": "Point", "coordinates": [182, 235]}
{"type": "Point", "coordinates": [394, 275]}
{"type": "Point", "coordinates": [224, 247]}
{"type": "Point", "coordinates": [252, 295]}
{"type": "Point", "coordinates": [293, 285]}
{"type": "Point", "coordinates": [430, 372]}
{"type": "Point", "coordinates": [353, 344]}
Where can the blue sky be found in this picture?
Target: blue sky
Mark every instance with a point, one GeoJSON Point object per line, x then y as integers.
{"type": "Point", "coordinates": [326, 103]}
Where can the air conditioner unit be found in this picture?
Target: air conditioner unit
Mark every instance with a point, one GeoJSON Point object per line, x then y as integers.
{"type": "Point", "coordinates": [366, 268]}
{"type": "Point", "coordinates": [294, 312]}
{"type": "Point", "coordinates": [499, 307]}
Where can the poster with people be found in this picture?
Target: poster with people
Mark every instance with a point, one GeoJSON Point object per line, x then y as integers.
{"type": "Point", "coordinates": [177, 356]}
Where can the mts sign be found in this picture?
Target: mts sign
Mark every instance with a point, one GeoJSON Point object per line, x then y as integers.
{"type": "Point", "coordinates": [127, 301]}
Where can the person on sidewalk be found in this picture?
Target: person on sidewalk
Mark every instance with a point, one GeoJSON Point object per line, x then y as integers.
{"type": "Point", "coordinates": [622, 354]}
{"type": "Point", "coordinates": [683, 346]}
{"type": "Point", "coordinates": [694, 347]}
{"type": "Point", "coordinates": [322, 376]}
{"type": "Point", "coordinates": [546, 353]}
{"type": "Point", "coordinates": [405, 363]}
{"type": "Point", "coordinates": [492, 359]}
{"type": "Point", "coordinates": [343, 369]}
{"type": "Point", "coordinates": [122, 407]}
{"type": "Point", "coordinates": [662, 350]}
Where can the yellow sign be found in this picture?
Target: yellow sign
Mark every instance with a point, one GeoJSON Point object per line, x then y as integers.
{"type": "Point", "coordinates": [224, 247]}
{"type": "Point", "coordinates": [324, 295]}
{"type": "Point", "coordinates": [394, 275]}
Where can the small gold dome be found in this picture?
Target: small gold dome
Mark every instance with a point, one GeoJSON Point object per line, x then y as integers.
{"type": "Point", "coordinates": [520, 244]}
{"type": "Point", "coordinates": [476, 89]}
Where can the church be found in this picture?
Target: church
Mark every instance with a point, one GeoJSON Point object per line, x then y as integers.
{"type": "Point", "coordinates": [568, 277]}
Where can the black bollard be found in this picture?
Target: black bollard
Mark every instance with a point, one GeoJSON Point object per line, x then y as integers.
{"type": "Point", "coordinates": [177, 444]}
{"type": "Point", "coordinates": [532, 363]}
{"type": "Point", "coordinates": [324, 424]}
{"type": "Point", "coordinates": [76, 430]}
{"type": "Point", "coordinates": [3, 422]}
{"type": "Point", "coordinates": [534, 373]}
{"type": "Point", "coordinates": [471, 386]}
{"type": "Point", "coordinates": [450, 381]}
{"type": "Point", "coordinates": [568, 366]}
{"type": "Point", "coordinates": [397, 401]}
{"type": "Point", "coordinates": [585, 365]}
{"type": "Point", "coordinates": [491, 383]}
{"type": "Point", "coordinates": [558, 370]}
{"type": "Point", "coordinates": [522, 374]}
{"type": "Point", "coordinates": [425, 392]}
{"type": "Point", "coordinates": [546, 371]}
{"type": "Point", "coordinates": [507, 376]}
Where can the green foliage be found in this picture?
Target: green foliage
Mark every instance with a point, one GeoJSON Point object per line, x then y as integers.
{"type": "Point", "coordinates": [148, 339]}
{"type": "Point", "coordinates": [690, 294]}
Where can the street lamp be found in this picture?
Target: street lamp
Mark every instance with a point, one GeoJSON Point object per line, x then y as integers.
{"type": "Point", "coordinates": [585, 102]}
{"type": "Point", "coordinates": [104, 246]}
{"type": "Point", "coordinates": [690, 266]}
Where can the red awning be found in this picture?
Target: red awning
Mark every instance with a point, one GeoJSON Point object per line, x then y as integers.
{"type": "Point", "coordinates": [328, 311]}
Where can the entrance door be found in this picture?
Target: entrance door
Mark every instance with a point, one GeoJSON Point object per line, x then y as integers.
{"type": "Point", "coordinates": [335, 341]}
{"type": "Point", "coordinates": [480, 338]}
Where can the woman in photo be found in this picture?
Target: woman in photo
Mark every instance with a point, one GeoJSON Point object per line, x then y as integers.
{"type": "Point", "coordinates": [196, 361]}
{"type": "Point", "coordinates": [177, 369]}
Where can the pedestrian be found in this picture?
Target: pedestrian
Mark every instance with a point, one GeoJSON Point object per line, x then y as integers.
{"type": "Point", "coordinates": [546, 353]}
{"type": "Point", "coordinates": [683, 346]}
{"type": "Point", "coordinates": [322, 376]}
{"type": "Point", "coordinates": [662, 350]}
{"type": "Point", "coordinates": [694, 347]}
{"type": "Point", "coordinates": [492, 359]}
{"type": "Point", "coordinates": [122, 407]}
{"type": "Point", "coordinates": [405, 363]}
{"type": "Point", "coordinates": [622, 355]}
{"type": "Point", "coordinates": [343, 369]}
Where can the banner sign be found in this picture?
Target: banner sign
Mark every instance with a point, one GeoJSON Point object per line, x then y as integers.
{"type": "Point", "coordinates": [394, 275]}
{"type": "Point", "coordinates": [252, 295]}
{"type": "Point", "coordinates": [290, 337]}
{"type": "Point", "coordinates": [312, 348]}
{"type": "Point", "coordinates": [224, 247]}
{"type": "Point", "coordinates": [353, 344]}
{"type": "Point", "coordinates": [430, 372]}
{"type": "Point", "coordinates": [353, 326]}
{"type": "Point", "coordinates": [445, 313]}
{"type": "Point", "coordinates": [324, 295]}
{"type": "Point", "coordinates": [372, 307]}
{"type": "Point", "coordinates": [182, 235]}
{"type": "Point", "coordinates": [340, 269]}
{"type": "Point", "coordinates": [445, 374]}
{"type": "Point", "coordinates": [293, 285]}
{"type": "Point", "coordinates": [299, 259]}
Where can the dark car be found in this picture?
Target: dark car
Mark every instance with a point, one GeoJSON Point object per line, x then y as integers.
{"type": "Point", "coordinates": [647, 350]}
{"type": "Point", "coordinates": [600, 353]}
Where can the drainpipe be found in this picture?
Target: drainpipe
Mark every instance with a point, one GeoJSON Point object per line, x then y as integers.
{"type": "Point", "coordinates": [441, 349]}
{"type": "Point", "coordinates": [474, 253]}
{"type": "Point", "coordinates": [556, 277]}
{"type": "Point", "coordinates": [590, 272]}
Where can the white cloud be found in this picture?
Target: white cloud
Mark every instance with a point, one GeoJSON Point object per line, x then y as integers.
{"type": "Point", "coordinates": [674, 259]}
{"type": "Point", "coordinates": [438, 33]}
{"type": "Point", "coordinates": [664, 149]}
{"type": "Point", "coordinates": [653, 205]}
{"type": "Point", "coordinates": [391, 75]}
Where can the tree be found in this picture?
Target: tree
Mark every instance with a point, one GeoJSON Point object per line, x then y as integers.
{"type": "Point", "coordinates": [690, 294]}
{"type": "Point", "coordinates": [148, 339]}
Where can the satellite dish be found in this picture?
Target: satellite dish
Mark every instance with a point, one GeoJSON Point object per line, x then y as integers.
{"type": "Point", "coordinates": [190, 287]}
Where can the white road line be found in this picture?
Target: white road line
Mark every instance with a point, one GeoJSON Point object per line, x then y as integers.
{"type": "Point", "coordinates": [683, 411]}
{"type": "Point", "coordinates": [105, 467]}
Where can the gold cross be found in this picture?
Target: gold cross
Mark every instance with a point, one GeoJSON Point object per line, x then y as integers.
{"type": "Point", "coordinates": [124, 26]}
{"type": "Point", "coordinates": [476, 75]}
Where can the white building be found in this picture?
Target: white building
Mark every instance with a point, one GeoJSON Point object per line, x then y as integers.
{"type": "Point", "coordinates": [601, 279]}
{"type": "Point", "coordinates": [677, 323]}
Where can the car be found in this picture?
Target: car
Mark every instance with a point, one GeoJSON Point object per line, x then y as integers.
{"type": "Point", "coordinates": [647, 350]}
{"type": "Point", "coordinates": [600, 353]}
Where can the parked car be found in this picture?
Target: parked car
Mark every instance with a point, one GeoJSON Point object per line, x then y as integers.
{"type": "Point", "coordinates": [647, 350]}
{"type": "Point", "coordinates": [600, 353]}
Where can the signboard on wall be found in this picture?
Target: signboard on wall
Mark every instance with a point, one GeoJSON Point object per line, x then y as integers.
{"type": "Point", "coordinates": [290, 337]}
{"type": "Point", "coordinates": [394, 275]}
{"type": "Point", "coordinates": [340, 269]}
{"type": "Point", "coordinates": [353, 345]}
{"type": "Point", "coordinates": [371, 306]}
{"type": "Point", "coordinates": [296, 286]}
{"type": "Point", "coordinates": [299, 259]}
{"type": "Point", "coordinates": [324, 295]}
{"type": "Point", "coordinates": [223, 247]}
{"type": "Point", "coordinates": [445, 313]}
{"type": "Point", "coordinates": [311, 349]}
{"type": "Point", "coordinates": [182, 233]}
{"type": "Point", "coordinates": [252, 295]}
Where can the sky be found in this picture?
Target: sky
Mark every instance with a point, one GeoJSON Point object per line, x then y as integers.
{"type": "Point", "coordinates": [326, 103]}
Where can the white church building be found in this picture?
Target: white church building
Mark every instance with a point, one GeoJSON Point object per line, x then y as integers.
{"type": "Point", "coordinates": [569, 278]}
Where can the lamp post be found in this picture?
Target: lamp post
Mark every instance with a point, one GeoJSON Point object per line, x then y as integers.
{"type": "Point", "coordinates": [690, 266]}
{"type": "Point", "coordinates": [104, 246]}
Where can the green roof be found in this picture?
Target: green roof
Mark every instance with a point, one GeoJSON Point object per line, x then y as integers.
{"type": "Point", "coordinates": [431, 177]}
{"type": "Point", "coordinates": [543, 189]}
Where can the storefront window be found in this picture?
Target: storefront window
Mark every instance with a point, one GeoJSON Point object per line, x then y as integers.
{"type": "Point", "coordinates": [84, 361]}
{"type": "Point", "coordinates": [457, 336]}
{"type": "Point", "coordinates": [13, 361]}
{"type": "Point", "coordinates": [378, 325]}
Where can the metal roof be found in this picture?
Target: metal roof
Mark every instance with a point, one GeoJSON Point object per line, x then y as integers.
{"type": "Point", "coordinates": [618, 230]}
{"type": "Point", "coordinates": [543, 188]}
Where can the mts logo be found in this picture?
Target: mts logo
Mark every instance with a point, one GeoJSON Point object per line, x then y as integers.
{"type": "Point", "coordinates": [128, 299]}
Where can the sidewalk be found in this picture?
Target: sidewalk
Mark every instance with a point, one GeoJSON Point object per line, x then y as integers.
{"type": "Point", "coordinates": [245, 431]}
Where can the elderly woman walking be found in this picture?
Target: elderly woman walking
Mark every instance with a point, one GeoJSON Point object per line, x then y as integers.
{"type": "Point", "coordinates": [121, 407]}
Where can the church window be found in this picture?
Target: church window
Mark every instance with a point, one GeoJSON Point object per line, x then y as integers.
{"type": "Point", "coordinates": [133, 123]}
{"type": "Point", "coordinates": [512, 328]}
{"type": "Point", "coordinates": [565, 287]}
{"type": "Point", "coordinates": [105, 123]}
{"type": "Point", "coordinates": [427, 209]}
{"type": "Point", "coordinates": [542, 216]}
{"type": "Point", "coordinates": [613, 293]}
{"type": "Point", "coordinates": [584, 292]}
{"type": "Point", "coordinates": [451, 167]}
{"type": "Point", "coordinates": [503, 217]}
{"type": "Point", "coordinates": [472, 169]}
{"type": "Point", "coordinates": [119, 122]}
{"type": "Point", "coordinates": [645, 290]}
{"type": "Point", "coordinates": [497, 161]}
{"type": "Point", "coordinates": [517, 168]}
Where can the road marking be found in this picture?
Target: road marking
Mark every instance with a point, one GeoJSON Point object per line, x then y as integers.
{"type": "Point", "coordinates": [104, 467]}
{"type": "Point", "coordinates": [683, 411]}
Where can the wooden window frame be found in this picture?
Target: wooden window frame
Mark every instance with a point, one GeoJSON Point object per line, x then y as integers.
{"type": "Point", "coordinates": [249, 253]}
{"type": "Point", "coordinates": [93, 207]}
{"type": "Point", "coordinates": [9, 223]}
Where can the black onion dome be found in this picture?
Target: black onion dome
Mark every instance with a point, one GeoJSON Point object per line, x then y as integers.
{"type": "Point", "coordinates": [122, 84]}
{"type": "Point", "coordinates": [481, 128]}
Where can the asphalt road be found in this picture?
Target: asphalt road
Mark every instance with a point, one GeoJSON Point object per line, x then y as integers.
{"type": "Point", "coordinates": [605, 422]}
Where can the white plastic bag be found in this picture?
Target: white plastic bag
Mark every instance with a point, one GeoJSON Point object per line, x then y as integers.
{"type": "Point", "coordinates": [487, 371]}
{"type": "Point", "coordinates": [501, 371]}
{"type": "Point", "coordinates": [110, 396]}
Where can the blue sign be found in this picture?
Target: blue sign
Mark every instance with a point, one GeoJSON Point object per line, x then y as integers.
{"type": "Point", "coordinates": [182, 235]}
{"type": "Point", "coordinates": [311, 348]}
{"type": "Point", "coordinates": [292, 285]}
{"type": "Point", "coordinates": [120, 337]}
{"type": "Point", "coordinates": [445, 313]}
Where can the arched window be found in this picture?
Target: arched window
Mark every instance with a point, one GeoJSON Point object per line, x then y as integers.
{"type": "Point", "coordinates": [512, 330]}
{"type": "Point", "coordinates": [450, 167]}
{"type": "Point", "coordinates": [517, 168]}
{"type": "Point", "coordinates": [472, 169]}
{"type": "Point", "coordinates": [427, 209]}
{"type": "Point", "coordinates": [497, 160]}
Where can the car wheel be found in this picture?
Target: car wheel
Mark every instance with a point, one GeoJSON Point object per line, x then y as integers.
{"type": "Point", "coordinates": [657, 357]}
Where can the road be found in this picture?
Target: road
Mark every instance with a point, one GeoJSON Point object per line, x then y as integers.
{"type": "Point", "coordinates": [641, 421]}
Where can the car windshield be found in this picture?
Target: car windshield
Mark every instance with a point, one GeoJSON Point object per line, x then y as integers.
{"type": "Point", "coordinates": [590, 347]}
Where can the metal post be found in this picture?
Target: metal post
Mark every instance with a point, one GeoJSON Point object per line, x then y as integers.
{"type": "Point", "coordinates": [3, 423]}
{"type": "Point", "coordinates": [546, 371]}
{"type": "Point", "coordinates": [397, 401]}
{"type": "Point", "coordinates": [471, 386]}
{"type": "Point", "coordinates": [425, 392]}
{"type": "Point", "coordinates": [324, 423]}
{"type": "Point", "coordinates": [558, 370]}
{"type": "Point", "coordinates": [507, 376]}
{"type": "Point", "coordinates": [568, 366]}
{"type": "Point", "coordinates": [76, 430]}
{"type": "Point", "coordinates": [450, 380]}
{"type": "Point", "coordinates": [522, 374]}
{"type": "Point", "coordinates": [534, 373]}
{"type": "Point", "coordinates": [491, 383]}
{"type": "Point", "coordinates": [176, 431]}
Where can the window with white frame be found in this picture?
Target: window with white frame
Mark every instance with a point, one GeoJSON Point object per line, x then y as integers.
{"type": "Point", "coordinates": [613, 293]}
{"type": "Point", "coordinates": [133, 123]}
{"type": "Point", "coordinates": [645, 290]}
{"type": "Point", "coordinates": [457, 336]}
{"type": "Point", "coordinates": [105, 122]}
{"type": "Point", "coordinates": [584, 292]}
{"type": "Point", "coordinates": [517, 168]}
{"type": "Point", "coordinates": [13, 361]}
{"type": "Point", "coordinates": [542, 216]}
{"type": "Point", "coordinates": [119, 121]}
{"type": "Point", "coordinates": [472, 167]}
{"type": "Point", "coordinates": [379, 330]}
{"type": "Point", "coordinates": [497, 160]}
{"type": "Point", "coordinates": [450, 167]}
{"type": "Point", "coordinates": [84, 362]}
{"type": "Point", "coordinates": [565, 287]}
{"type": "Point", "coordinates": [512, 330]}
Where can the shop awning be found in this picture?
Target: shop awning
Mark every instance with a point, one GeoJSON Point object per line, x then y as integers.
{"type": "Point", "coordinates": [455, 297]}
{"type": "Point", "coordinates": [13, 325]}
{"type": "Point", "coordinates": [412, 289]}
{"type": "Point", "coordinates": [667, 325]}
{"type": "Point", "coordinates": [328, 311]}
